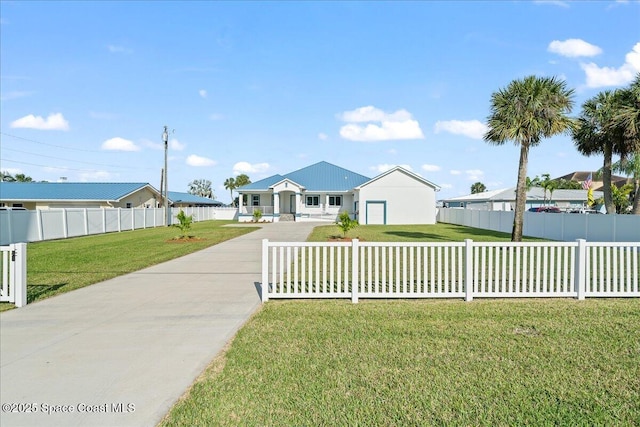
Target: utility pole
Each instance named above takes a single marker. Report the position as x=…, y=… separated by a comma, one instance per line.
x=165, y=138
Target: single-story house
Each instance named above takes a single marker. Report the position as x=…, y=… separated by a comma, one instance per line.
x=186, y=200
x=596, y=182
x=51, y=195
x=322, y=191
x=505, y=199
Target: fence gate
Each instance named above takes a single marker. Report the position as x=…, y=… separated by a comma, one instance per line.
x=14, y=274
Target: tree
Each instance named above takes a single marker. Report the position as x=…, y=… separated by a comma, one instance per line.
x=242, y=180
x=202, y=188
x=525, y=112
x=230, y=184
x=595, y=134
x=478, y=187
x=631, y=167
x=19, y=177
x=345, y=223
x=549, y=185
x=621, y=197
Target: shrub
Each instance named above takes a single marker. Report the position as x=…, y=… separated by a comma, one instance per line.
x=345, y=223
x=257, y=215
x=184, y=222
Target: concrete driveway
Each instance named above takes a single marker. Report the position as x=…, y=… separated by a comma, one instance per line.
x=121, y=352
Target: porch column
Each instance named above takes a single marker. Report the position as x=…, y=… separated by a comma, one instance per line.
x=297, y=208
x=276, y=204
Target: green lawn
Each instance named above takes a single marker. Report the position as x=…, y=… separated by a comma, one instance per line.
x=410, y=233
x=425, y=362
x=385, y=363
x=55, y=267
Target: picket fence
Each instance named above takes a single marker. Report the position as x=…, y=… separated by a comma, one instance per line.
x=14, y=274
x=466, y=269
x=48, y=224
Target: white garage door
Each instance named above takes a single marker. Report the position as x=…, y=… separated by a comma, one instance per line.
x=376, y=212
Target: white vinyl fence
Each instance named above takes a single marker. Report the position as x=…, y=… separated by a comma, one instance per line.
x=449, y=270
x=48, y=224
x=14, y=274
x=552, y=226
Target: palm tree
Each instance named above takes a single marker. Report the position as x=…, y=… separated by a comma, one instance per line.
x=478, y=187
x=596, y=134
x=230, y=184
x=524, y=112
x=631, y=167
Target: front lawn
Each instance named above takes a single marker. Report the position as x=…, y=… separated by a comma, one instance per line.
x=58, y=266
x=490, y=362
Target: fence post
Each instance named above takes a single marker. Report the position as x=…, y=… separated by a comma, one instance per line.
x=264, y=286
x=65, y=225
x=581, y=269
x=354, y=270
x=468, y=270
x=19, y=274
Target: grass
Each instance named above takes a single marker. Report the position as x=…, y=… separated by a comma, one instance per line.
x=486, y=363
x=60, y=266
x=439, y=232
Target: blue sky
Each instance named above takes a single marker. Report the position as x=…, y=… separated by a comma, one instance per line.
x=269, y=87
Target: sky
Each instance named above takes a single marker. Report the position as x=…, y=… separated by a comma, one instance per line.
x=265, y=88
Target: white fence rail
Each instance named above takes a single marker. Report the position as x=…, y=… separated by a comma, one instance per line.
x=49, y=224
x=449, y=270
x=552, y=226
x=14, y=274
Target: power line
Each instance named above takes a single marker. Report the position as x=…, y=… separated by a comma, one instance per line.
x=49, y=166
x=77, y=161
x=50, y=145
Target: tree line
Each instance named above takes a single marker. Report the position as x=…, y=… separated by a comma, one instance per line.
x=531, y=109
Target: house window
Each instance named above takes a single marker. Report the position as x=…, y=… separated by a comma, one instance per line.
x=18, y=205
x=313, y=200
x=128, y=205
x=255, y=200
x=335, y=200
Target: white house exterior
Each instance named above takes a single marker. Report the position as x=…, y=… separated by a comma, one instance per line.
x=322, y=191
x=396, y=197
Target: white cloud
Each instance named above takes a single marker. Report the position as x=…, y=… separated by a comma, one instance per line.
x=55, y=121
x=430, y=168
x=608, y=76
x=14, y=95
x=119, y=49
x=12, y=171
x=199, y=161
x=95, y=176
x=174, y=144
x=119, y=144
x=246, y=168
x=470, y=128
x=385, y=167
x=446, y=186
x=573, y=48
x=323, y=136
x=559, y=3
x=399, y=125
x=474, y=174
x=202, y=93
x=153, y=145
x=455, y=172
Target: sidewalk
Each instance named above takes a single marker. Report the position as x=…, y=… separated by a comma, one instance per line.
x=121, y=352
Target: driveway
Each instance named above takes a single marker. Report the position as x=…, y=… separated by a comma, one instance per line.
x=121, y=352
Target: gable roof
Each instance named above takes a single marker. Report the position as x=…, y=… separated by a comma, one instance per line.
x=404, y=171
x=78, y=191
x=178, y=197
x=321, y=176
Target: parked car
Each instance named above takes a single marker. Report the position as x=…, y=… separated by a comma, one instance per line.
x=548, y=209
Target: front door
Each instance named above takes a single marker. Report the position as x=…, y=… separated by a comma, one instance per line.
x=292, y=203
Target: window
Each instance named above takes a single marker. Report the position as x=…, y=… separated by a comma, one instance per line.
x=255, y=200
x=313, y=201
x=18, y=205
x=128, y=205
x=335, y=200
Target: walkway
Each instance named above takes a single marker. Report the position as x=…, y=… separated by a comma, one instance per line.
x=121, y=352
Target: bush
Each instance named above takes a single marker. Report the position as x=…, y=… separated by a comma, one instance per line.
x=257, y=215
x=345, y=223
x=184, y=222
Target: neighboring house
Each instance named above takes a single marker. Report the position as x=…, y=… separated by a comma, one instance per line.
x=185, y=200
x=50, y=195
x=322, y=191
x=505, y=199
x=596, y=182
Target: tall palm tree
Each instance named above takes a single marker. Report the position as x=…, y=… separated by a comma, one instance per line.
x=230, y=184
x=595, y=134
x=478, y=187
x=525, y=112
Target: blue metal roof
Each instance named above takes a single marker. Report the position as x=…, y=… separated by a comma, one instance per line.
x=178, y=197
x=112, y=191
x=321, y=176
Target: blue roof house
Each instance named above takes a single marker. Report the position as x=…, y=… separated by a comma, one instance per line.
x=320, y=192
